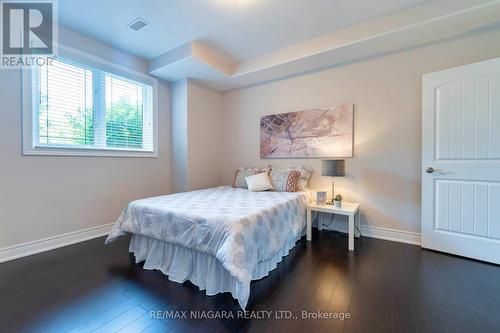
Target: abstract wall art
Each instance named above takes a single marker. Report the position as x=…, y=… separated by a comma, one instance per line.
x=314, y=133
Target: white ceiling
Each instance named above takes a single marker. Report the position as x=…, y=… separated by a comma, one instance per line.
x=429, y=22
x=242, y=29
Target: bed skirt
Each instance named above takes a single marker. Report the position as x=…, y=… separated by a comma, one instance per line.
x=204, y=270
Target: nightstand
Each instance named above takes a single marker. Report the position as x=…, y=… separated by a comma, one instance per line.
x=349, y=209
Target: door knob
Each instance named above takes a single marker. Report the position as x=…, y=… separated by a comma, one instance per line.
x=429, y=170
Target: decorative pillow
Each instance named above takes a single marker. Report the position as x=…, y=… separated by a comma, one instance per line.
x=305, y=175
x=240, y=174
x=259, y=182
x=285, y=180
x=302, y=184
x=305, y=172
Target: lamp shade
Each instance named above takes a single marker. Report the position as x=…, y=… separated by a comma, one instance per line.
x=333, y=168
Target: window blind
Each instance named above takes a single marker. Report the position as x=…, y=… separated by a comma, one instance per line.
x=84, y=107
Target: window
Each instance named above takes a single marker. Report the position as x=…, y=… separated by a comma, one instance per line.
x=78, y=109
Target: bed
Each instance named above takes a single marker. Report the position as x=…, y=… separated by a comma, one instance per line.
x=219, y=238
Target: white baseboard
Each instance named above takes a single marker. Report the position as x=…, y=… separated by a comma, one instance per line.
x=394, y=235
x=50, y=243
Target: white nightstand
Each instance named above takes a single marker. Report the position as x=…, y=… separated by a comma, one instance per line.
x=350, y=209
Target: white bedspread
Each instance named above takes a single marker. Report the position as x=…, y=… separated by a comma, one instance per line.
x=239, y=227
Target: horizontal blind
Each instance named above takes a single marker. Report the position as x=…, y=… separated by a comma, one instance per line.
x=127, y=107
x=65, y=113
x=83, y=107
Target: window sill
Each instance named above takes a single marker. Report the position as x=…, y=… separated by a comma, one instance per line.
x=88, y=152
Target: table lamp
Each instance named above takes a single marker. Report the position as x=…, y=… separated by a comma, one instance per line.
x=333, y=168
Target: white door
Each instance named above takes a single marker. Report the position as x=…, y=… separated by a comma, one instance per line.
x=461, y=161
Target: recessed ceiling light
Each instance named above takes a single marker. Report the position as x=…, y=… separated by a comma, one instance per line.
x=137, y=24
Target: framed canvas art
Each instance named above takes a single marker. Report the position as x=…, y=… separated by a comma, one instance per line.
x=314, y=133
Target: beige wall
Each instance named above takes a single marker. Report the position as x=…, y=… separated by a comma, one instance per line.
x=205, y=140
x=384, y=175
x=42, y=196
x=179, y=135
x=196, y=136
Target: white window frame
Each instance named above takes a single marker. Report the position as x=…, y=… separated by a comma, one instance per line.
x=30, y=104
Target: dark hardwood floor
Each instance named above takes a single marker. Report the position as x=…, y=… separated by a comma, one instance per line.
x=384, y=286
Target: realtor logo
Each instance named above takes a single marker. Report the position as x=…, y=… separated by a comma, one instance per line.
x=29, y=29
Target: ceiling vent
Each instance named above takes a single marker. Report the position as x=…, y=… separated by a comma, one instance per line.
x=137, y=24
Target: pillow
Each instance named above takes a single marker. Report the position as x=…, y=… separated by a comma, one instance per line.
x=305, y=172
x=302, y=184
x=305, y=175
x=285, y=180
x=240, y=174
x=259, y=182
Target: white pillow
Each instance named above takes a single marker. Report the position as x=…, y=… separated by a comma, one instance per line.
x=259, y=182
